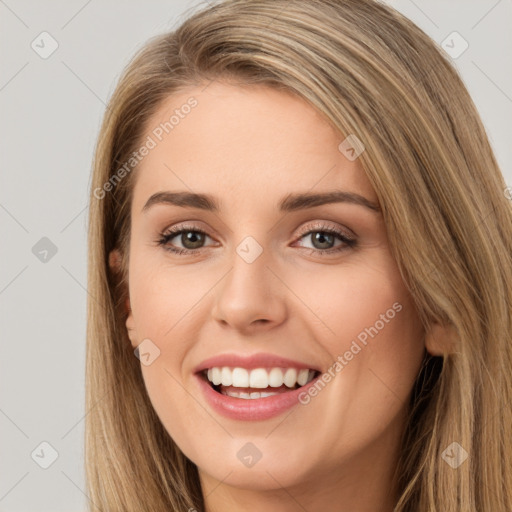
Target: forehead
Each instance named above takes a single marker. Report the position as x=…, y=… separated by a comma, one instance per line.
x=241, y=141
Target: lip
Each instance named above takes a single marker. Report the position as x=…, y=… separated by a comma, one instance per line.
x=257, y=409
x=251, y=362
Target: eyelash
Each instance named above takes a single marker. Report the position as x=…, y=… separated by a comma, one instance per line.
x=165, y=237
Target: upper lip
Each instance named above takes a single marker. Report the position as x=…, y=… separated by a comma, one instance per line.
x=253, y=361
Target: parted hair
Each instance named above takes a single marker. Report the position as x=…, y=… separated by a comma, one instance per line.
x=374, y=74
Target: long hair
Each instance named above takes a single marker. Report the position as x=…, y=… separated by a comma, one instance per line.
x=371, y=73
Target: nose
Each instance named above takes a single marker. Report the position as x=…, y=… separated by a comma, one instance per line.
x=251, y=297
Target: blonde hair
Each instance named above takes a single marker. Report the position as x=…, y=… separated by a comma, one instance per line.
x=372, y=73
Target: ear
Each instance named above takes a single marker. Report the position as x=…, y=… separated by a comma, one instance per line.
x=114, y=260
x=130, y=326
x=115, y=263
x=440, y=339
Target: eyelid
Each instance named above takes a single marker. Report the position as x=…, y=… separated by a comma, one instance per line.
x=349, y=240
x=192, y=225
x=177, y=229
x=321, y=225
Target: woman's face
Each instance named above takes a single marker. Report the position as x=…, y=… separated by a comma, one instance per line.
x=277, y=283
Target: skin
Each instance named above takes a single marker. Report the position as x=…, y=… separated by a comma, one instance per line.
x=250, y=147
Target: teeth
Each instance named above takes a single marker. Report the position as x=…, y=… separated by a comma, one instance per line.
x=275, y=378
x=239, y=378
x=248, y=396
x=216, y=376
x=259, y=378
x=290, y=377
x=302, y=377
x=226, y=377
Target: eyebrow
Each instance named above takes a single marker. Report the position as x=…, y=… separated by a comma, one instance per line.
x=290, y=203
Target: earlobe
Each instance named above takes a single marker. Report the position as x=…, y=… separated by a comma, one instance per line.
x=130, y=326
x=440, y=340
x=114, y=260
x=115, y=263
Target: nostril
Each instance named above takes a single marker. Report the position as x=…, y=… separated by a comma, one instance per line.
x=264, y=320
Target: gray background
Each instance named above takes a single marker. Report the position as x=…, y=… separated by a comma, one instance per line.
x=51, y=111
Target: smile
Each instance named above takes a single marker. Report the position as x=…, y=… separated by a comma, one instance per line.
x=254, y=387
x=249, y=384
x=246, y=398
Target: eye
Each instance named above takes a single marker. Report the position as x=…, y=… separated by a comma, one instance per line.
x=192, y=239
x=189, y=236
x=323, y=238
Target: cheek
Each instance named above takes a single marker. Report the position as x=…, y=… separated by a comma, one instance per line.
x=364, y=300
x=183, y=419
x=372, y=333
x=163, y=297
x=166, y=304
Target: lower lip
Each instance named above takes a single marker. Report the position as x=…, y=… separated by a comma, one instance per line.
x=251, y=409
